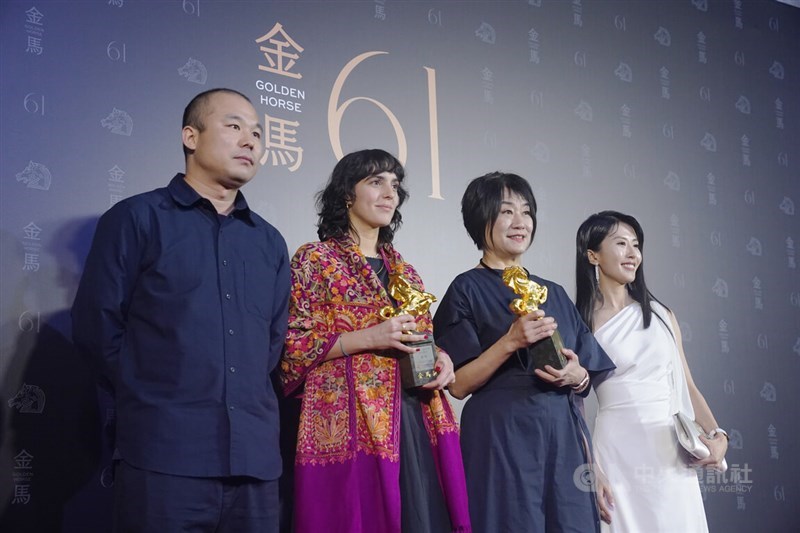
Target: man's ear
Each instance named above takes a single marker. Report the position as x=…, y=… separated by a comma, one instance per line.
x=189, y=135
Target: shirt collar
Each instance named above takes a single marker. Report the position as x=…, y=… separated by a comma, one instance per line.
x=183, y=194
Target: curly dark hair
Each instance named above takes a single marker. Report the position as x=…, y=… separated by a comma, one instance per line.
x=334, y=221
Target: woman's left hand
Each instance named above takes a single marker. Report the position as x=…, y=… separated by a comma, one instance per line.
x=444, y=366
x=571, y=375
x=718, y=446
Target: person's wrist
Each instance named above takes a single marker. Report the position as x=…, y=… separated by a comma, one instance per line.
x=509, y=346
x=582, y=375
x=341, y=346
x=718, y=431
x=581, y=386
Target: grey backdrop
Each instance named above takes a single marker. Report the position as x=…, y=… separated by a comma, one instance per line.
x=683, y=113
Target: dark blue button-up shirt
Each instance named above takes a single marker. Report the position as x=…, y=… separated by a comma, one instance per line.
x=186, y=311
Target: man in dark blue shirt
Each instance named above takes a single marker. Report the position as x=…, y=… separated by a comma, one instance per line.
x=183, y=303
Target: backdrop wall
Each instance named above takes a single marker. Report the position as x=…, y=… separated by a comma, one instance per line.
x=683, y=113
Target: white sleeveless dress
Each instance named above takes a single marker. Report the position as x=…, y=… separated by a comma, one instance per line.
x=654, y=488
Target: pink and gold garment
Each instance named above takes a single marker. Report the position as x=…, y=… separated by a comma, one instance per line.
x=347, y=465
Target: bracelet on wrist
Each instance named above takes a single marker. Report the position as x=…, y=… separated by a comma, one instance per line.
x=718, y=431
x=580, y=387
x=341, y=346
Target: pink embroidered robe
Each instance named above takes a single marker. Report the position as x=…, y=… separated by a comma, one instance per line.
x=347, y=464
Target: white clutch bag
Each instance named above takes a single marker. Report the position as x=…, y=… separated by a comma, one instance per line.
x=689, y=432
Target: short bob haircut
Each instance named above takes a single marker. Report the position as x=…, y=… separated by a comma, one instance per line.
x=332, y=201
x=590, y=237
x=480, y=205
x=195, y=112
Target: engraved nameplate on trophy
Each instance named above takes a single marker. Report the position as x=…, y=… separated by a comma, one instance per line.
x=417, y=368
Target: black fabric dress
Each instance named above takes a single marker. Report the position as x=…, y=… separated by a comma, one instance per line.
x=422, y=505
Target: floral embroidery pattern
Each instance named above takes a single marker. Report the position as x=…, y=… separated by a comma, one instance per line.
x=350, y=404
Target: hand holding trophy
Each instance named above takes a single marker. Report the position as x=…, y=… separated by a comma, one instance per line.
x=531, y=296
x=418, y=368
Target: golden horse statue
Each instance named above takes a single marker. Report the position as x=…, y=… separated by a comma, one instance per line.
x=409, y=300
x=531, y=294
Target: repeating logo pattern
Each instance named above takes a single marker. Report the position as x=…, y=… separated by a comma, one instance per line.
x=689, y=122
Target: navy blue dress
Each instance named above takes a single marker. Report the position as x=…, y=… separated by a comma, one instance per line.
x=523, y=441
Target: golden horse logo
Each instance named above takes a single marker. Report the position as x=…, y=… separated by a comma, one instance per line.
x=409, y=300
x=531, y=294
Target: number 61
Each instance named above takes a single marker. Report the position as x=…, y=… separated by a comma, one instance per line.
x=335, y=119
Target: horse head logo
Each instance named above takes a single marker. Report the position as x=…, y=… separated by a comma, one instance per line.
x=29, y=399
x=36, y=176
x=194, y=71
x=119, y=122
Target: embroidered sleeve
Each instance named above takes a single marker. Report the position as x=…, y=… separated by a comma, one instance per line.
x=310, y=335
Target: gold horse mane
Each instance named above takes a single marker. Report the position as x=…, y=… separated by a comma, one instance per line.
x=531, y=294
x=409, y=300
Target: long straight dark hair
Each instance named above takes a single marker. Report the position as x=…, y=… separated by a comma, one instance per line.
x=590, y=237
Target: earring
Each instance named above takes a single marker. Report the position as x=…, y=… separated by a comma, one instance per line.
x=597, y=274
x=348, y=204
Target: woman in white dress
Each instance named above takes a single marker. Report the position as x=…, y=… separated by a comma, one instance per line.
x=654, y=485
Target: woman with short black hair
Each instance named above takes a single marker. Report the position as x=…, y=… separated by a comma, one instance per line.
x=525, y=444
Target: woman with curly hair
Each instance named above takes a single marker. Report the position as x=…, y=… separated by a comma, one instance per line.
x=371, y=455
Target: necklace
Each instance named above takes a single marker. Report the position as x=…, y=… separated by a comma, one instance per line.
x=372, y=262
x=487, y=267
x=495, y=270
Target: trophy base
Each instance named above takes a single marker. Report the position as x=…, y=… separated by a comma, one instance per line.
x=547, y=352
x=418, y=368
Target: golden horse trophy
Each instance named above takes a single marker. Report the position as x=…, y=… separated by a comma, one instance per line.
x=416, y=368
x=531, y=295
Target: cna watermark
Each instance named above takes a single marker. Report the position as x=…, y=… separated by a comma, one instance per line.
x=736, y=479
x=585, y=478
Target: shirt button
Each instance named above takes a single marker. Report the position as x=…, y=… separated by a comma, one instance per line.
x=231, y=407
x=233, y=370
x=224, y=262
x=230, y=332
x=227, y=296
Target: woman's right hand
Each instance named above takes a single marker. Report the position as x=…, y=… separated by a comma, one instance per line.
x=392, y=333
x=604, y=495
x=530, y=328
